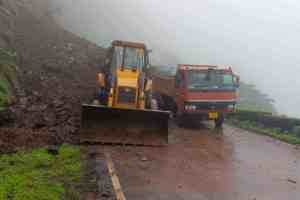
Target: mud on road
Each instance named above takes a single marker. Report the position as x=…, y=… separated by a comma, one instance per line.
x=203, y=163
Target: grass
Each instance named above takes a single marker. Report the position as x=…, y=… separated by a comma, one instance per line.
x=40, y=175
x=4, y=93
x=288, y=137
x=7, y=77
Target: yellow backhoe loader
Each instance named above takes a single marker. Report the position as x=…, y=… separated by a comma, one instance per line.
x=125, y=111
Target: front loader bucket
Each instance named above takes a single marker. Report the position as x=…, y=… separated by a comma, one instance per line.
x=105, y=125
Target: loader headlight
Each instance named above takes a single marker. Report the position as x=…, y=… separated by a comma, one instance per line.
x=127, y=89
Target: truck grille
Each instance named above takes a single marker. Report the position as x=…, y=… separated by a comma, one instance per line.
x=127, y=95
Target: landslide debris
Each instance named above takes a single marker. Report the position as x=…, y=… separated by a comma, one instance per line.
x=56, y=72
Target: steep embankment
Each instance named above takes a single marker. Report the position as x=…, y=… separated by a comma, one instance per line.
x=55, y=70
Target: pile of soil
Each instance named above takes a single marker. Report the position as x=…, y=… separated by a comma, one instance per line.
x=13, y=139
x=56, y=72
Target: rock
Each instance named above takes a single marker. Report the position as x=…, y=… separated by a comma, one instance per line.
x=23, y=101
x=144, y=166
x=291, y=180
x=35, y=93
x=53, y=150
x=105, y=194
x=138, y=154
x=144, y=159
x=33, y=108
x=58, y=103
x=43, y=107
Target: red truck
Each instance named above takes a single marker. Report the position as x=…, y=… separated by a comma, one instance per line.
x=197, y=92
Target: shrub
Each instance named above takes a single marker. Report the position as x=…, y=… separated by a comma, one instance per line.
x=296, y=131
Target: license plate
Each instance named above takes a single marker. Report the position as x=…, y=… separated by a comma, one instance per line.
x=213, y=115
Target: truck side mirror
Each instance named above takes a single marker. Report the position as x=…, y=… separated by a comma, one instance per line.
x=236, y=81
x=177, y=80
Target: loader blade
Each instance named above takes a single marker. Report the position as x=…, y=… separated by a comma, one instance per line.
x=105, y=125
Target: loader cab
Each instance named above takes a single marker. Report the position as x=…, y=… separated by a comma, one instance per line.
x=129, y=56
x=127, y=65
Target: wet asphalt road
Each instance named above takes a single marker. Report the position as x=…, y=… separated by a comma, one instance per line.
x=203, y=163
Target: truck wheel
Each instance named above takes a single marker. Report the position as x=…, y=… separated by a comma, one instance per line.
x=219, y=121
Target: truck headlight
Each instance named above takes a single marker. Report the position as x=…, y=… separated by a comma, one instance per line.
x=190, y=107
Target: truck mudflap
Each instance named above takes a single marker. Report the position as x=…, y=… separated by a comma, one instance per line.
x=105, y=125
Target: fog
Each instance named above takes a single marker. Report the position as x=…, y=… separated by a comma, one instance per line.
x=258, y=38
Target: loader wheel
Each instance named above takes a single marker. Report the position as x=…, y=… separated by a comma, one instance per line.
x=154, y=104
x=219, y=121
x=151, y=102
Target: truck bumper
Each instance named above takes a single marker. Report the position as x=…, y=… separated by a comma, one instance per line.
x=208, y=115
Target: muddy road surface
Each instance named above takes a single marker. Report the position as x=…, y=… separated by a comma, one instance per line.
x=203, y=163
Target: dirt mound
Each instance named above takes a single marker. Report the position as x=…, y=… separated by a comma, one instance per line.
x=56, y=73
x=12, y=140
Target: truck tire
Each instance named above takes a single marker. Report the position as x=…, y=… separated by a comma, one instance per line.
x=165, y=103
x=219, y=121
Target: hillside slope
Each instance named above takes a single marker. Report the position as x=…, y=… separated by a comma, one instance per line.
x=56, y=69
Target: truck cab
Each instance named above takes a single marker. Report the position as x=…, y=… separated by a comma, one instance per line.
x=205, y=92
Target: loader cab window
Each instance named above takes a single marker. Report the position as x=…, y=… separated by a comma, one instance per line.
x=134, y=58
x=117, y=57
x=128, y=58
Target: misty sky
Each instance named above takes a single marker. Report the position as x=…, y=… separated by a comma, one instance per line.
x=259, y=38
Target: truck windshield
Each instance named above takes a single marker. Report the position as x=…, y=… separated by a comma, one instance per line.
x=209, y=80
x=130, y=58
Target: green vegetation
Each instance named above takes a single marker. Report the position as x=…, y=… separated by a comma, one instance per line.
x=252, y=99
x=7, y=77
x=292, y=137
x=40, y=175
